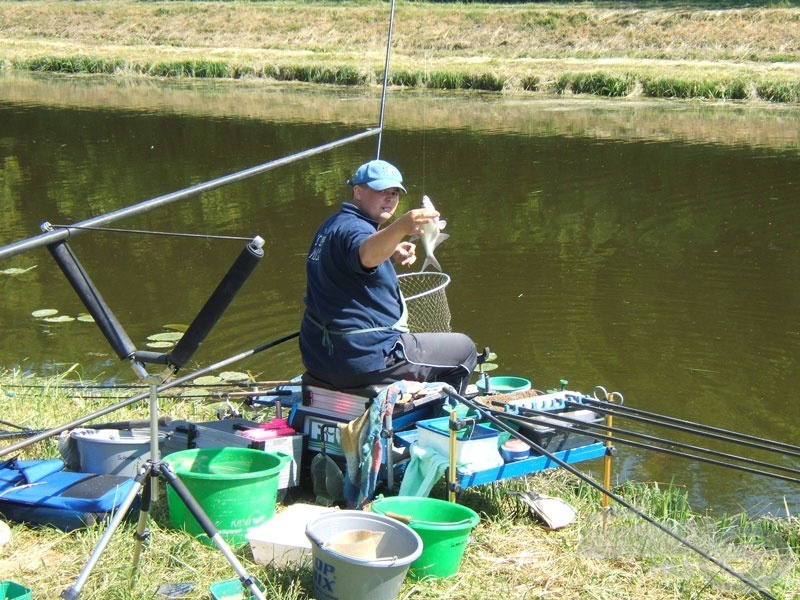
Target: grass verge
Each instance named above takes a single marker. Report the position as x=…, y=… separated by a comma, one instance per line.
x=638, y=48
x=510, y=555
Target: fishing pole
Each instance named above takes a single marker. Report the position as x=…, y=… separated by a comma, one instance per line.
x=122, y=425
x=385, y=79
x=207, y=236
x=146, y=395
x=691, y=427
x=615, y=438
x=134, y=386
x=56, y=235
x=553, y=417
x=482, y=411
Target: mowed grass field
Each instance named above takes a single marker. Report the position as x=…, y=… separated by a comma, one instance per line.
x=721, y=50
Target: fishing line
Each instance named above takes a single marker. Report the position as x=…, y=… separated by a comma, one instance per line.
x=151, y=232
x=487, y=412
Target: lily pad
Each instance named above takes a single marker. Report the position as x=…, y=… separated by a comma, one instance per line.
x=234, y=376
x=194, y=392
x=166, y=336
x=160, y=345
x=85, y=318
x=207, y=380
x=44, y=312
x=59, y=319
x=16, y=270
x=177, y=327
x=485, y=367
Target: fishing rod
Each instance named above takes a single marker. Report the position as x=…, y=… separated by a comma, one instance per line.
x=520, y=419
x=552, y=417
x=385, y=79
x=54, y=235
x=691, y=427
x=564, y=422
x=146, y=395
x=121, y=425
x=485, y=412
x=135, y=386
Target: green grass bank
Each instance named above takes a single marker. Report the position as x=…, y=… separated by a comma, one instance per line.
x=722, y=51
x=510, y=555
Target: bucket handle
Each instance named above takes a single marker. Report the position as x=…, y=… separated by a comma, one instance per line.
x=408, y=519
x=283, y=457
x=388, y=561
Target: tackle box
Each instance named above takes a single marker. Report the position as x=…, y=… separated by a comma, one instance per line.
x=555, y=434
x=476, y=444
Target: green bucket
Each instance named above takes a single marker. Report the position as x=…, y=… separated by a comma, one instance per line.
x=444, y=528
x=236, y=487
x=504, y=384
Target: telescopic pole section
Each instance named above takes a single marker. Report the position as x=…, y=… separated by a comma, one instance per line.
x=211, y=531
x=385, y=79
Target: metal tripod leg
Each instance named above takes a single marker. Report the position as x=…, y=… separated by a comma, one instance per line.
x=122, y=511
x=147, y=479
x=202, y=518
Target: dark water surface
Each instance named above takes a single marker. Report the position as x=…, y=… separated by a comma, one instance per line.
x=651, y=248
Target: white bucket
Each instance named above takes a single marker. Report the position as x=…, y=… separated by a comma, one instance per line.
x=113, y=451
x=374, y=574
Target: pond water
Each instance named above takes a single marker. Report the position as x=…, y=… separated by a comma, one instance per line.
x=648, y=247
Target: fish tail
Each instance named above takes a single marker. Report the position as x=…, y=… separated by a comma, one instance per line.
x=431, y=260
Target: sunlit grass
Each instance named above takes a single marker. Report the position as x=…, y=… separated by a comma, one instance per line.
x=605, y=555
x=663, y=50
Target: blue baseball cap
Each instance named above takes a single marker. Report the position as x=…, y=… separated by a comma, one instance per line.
x=379, y=175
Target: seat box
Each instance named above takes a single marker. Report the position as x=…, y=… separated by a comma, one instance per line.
x=310, y=420
x=183, y=435
x=555, y=434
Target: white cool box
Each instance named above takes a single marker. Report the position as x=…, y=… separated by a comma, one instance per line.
x=282, y=539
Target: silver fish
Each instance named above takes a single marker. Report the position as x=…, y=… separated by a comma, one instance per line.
x=432, y=236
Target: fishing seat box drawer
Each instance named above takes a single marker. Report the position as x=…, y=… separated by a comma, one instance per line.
x=183, y=435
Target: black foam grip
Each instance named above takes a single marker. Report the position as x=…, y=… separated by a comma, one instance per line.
x=215, y=305
x=92, y=299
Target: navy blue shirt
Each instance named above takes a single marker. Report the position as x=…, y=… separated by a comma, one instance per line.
x=344, y=296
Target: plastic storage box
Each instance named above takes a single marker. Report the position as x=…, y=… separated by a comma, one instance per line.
x=184, y=435
x=282, y=539
x=555, y=434
x=476, y=444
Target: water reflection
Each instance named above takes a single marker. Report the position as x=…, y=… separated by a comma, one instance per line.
x=648, y=247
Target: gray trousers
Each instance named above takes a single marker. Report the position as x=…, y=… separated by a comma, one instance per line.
x=424, y=357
